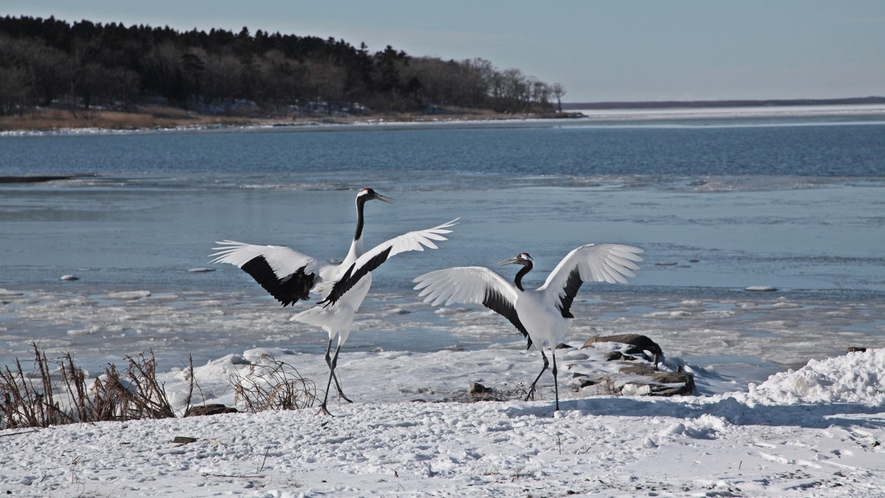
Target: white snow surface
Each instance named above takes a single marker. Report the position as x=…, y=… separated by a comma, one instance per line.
x=816, y=431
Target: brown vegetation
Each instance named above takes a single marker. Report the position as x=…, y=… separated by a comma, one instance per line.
x=53, y=397
x=147, y=118
x=273, y=385
x=157, y=117
x=62, y=395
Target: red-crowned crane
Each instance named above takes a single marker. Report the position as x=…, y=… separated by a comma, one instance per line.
x=542, y=315
x=291, y=276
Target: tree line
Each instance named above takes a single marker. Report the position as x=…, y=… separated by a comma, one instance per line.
x=47, y=62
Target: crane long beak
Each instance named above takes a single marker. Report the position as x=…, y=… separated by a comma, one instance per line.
x=383, y=198
x=511, y=261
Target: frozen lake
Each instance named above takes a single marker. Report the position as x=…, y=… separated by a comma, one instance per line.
x=719, y=205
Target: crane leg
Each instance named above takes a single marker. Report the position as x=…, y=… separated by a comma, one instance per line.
x=332, y=367
x=323, y=409
x=555, y=379
x=332, y=361
x=531, y=394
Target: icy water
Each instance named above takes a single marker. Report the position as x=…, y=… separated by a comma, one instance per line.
x=719, y=205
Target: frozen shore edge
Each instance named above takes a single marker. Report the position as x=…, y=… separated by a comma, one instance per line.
x=875, y=112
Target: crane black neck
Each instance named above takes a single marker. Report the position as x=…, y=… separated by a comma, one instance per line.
x=360, y=202
x=527, y=267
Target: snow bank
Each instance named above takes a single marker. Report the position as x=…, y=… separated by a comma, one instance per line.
x=813, y=432
x=854, y=378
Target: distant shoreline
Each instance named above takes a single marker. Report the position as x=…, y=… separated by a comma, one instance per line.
x=695, y=104
x=156, y=118
x=151, y=119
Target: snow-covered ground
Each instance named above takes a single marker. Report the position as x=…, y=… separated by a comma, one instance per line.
x=817, y=431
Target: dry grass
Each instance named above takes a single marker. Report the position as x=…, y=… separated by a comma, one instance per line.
x=147, y=118
x=52, y=397
x=273, y=385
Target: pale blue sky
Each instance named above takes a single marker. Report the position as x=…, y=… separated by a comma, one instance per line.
x=622, y=50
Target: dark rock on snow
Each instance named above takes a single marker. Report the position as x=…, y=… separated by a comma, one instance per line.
x=212, y=409
x=640, y=343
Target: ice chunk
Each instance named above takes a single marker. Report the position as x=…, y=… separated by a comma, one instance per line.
x=129, y=295
x=761, y=288
x=200, y=270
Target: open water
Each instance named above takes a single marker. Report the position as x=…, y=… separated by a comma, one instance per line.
x=792, y=203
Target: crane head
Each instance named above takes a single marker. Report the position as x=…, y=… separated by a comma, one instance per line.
x=522, y=258
x=368, y=194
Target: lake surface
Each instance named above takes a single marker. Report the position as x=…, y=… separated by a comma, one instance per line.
x=795, y=203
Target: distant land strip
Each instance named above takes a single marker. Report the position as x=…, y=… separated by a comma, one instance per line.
x=675, y=104
x=31, y=179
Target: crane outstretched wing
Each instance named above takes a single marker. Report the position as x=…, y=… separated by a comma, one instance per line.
x=589, y=263
x=285, y=273
x=472, y=285
x=372, y=259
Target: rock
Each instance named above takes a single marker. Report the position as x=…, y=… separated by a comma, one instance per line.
x=661, y=385
x=184, y=440
x=212, y=409
x=479, y=392
x=636, y=350
x=855, y=349
x=643, y=343
x=642, y=377
x=613, y=356
x=687, y=381
x=639, y=370
x=670, y=377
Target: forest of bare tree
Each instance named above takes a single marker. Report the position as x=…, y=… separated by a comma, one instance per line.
x=85, y=65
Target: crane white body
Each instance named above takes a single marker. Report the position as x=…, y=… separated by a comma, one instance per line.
x=289, y=276
x=541, y=319
x=543, y=315
x=337, y=319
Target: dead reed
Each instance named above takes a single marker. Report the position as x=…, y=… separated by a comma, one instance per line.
x=271, y=384
x=62, y=396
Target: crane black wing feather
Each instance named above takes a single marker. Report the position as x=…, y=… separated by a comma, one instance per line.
x=570, y=290
x=588, y=263
x=350, y=277
x=496, y=302
x=473, y=285
x=287, y=290
x=286, y=274
x=412, y=241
